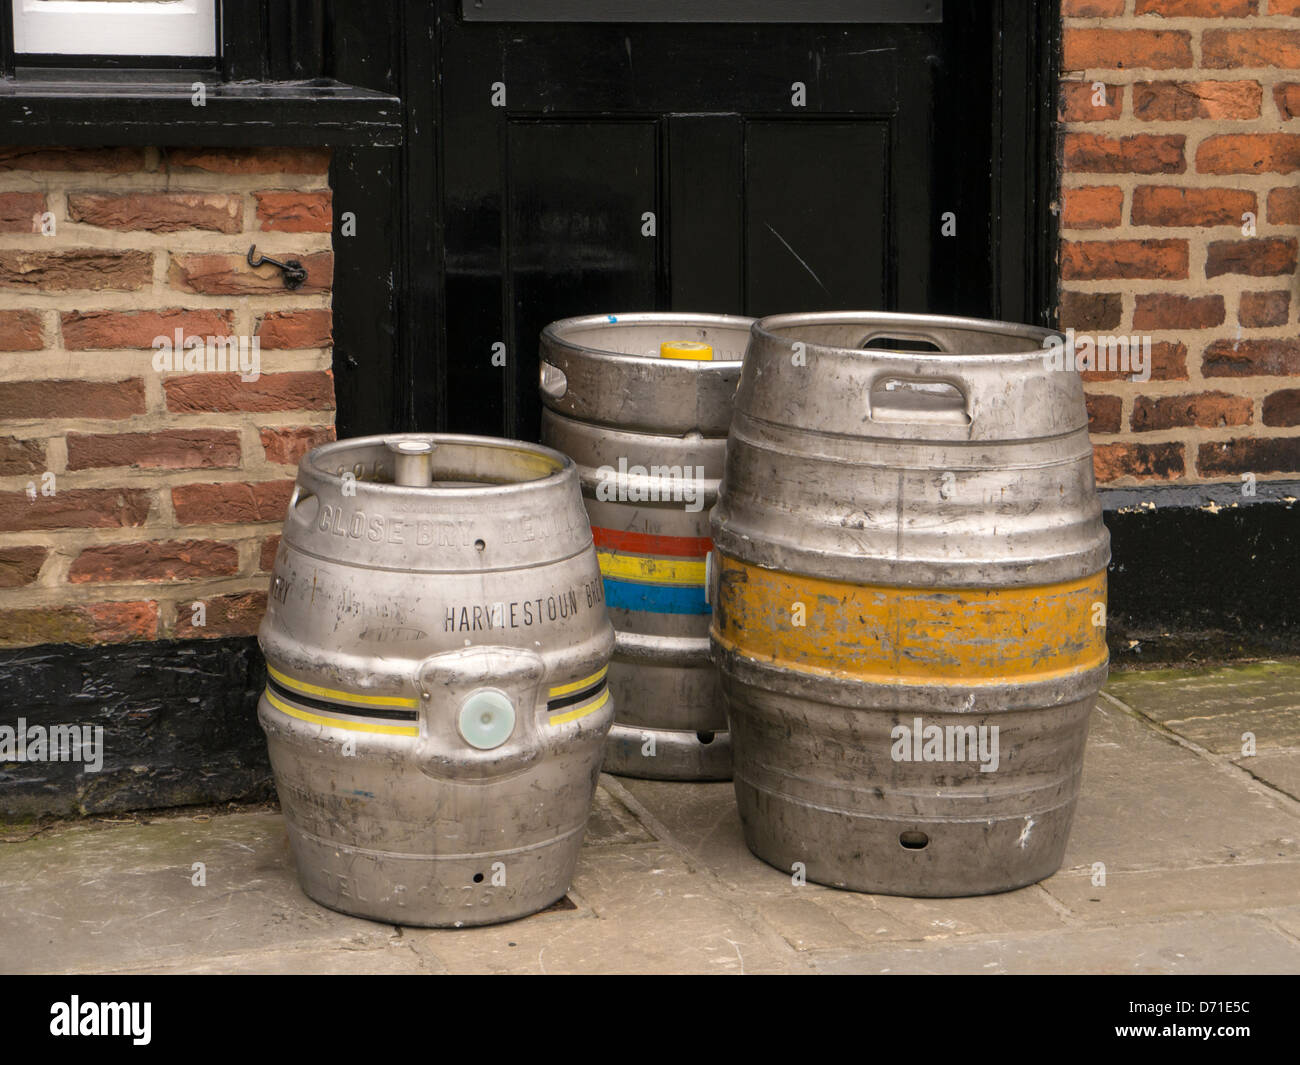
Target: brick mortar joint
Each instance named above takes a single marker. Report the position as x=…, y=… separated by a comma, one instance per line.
x=1153, y=21
x=173, y=591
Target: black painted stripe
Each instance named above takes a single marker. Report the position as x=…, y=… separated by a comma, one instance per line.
x=385, y=713
x=577, y=697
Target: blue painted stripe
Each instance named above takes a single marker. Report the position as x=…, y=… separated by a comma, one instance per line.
x=655, y=598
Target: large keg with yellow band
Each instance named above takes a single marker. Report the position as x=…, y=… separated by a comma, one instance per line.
x=437, y=644
x=642, y=403
x=908, y=586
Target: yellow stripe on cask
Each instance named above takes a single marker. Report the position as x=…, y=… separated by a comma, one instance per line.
x=639, y=568
x=909, y=595
x=895, y=635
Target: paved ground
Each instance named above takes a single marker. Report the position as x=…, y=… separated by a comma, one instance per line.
x=1201, y=847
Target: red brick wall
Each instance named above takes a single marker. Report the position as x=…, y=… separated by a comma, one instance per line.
x=127, y=495
x=1199, y=124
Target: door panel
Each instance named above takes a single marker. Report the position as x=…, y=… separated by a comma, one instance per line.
x=966, y=92
x=788, y=168
x=706, y=213
x=816, y=220
x=577, y=193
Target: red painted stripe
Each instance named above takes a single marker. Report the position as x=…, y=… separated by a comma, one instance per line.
x=651, y=544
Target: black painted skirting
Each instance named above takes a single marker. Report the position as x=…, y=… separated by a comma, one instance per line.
x=1207, y=582
x=1187, y=583
x=179, y=719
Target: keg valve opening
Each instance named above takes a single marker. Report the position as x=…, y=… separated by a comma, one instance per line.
x=487, y=719
x=412, y=462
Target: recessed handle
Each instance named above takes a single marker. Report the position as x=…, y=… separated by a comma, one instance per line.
x=553, y=381
x=922, y=400
x=903, y=340
x=303, y=504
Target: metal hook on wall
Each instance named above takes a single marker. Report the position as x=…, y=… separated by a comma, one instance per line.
x=294, y=272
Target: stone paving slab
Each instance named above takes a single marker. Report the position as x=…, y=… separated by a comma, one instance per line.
x=1029, y=908
x=1149, y=803
x=815, y=923
x=394, y=958
x=1278, y=769
x=1233, y=944
x=1197, y=890
x=806, y=925
x=1201, y=855
x=1214, y=707
x=703, y=819
x=646, y=912
x=611, y=822
x=1287, y=919
x=115, y=896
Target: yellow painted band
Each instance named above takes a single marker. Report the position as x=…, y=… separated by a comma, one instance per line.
x=578, y=685
x=338, y=722
x=580, y=711
x=341, y=696
x=675, y=571
x=894, y=635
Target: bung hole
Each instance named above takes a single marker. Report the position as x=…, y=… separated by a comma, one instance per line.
x=914, y=841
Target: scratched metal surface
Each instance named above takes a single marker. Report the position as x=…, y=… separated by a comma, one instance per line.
x=394, y=607
x=649, y=436
x=909, y=554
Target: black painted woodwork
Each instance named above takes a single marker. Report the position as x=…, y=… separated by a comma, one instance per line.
x=785, y=204
x=179, y=720
x=684, y=11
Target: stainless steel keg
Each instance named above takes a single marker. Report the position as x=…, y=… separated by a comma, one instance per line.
x=649, y=433
x=909, y=596
x=437, y=644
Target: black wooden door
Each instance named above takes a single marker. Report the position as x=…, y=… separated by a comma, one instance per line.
x=896, y=154
x=598, y=168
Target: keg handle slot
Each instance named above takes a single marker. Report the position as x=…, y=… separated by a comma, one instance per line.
x=553, y=381
x=903, y=398
x=903, y=340
x=299, y=500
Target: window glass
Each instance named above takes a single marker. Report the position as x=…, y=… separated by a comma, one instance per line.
x=115, y=27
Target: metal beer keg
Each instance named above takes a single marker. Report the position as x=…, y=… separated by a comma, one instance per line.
x=437, y=645
x=909, y=587
x=648, y=431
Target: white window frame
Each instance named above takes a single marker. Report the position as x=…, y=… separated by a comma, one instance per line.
x=116, y=27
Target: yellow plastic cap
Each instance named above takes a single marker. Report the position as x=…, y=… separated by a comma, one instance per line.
x=685, y=349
